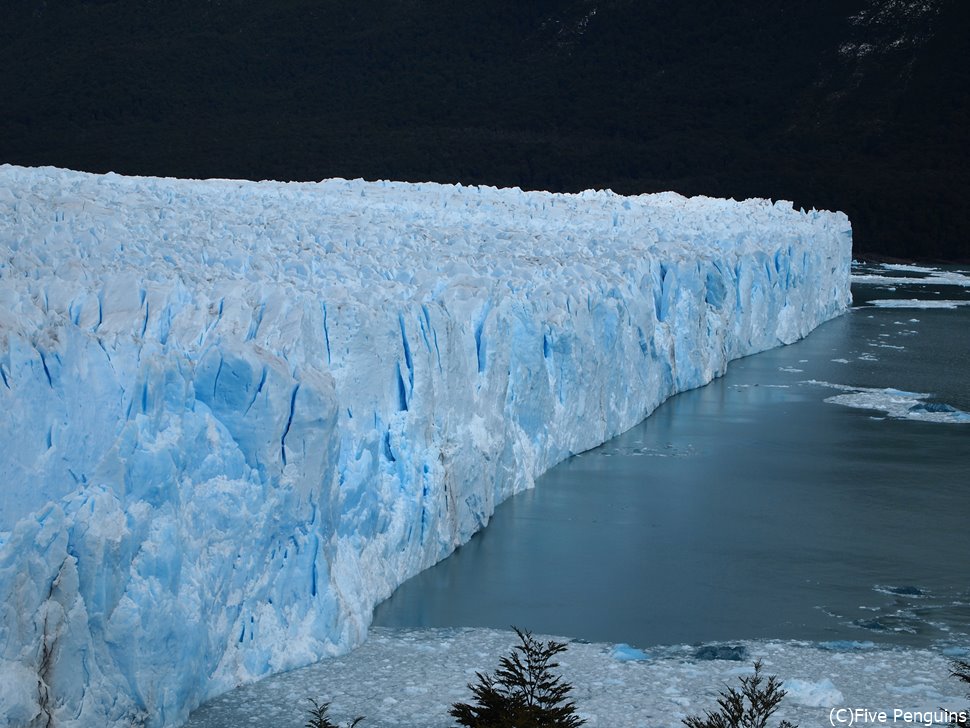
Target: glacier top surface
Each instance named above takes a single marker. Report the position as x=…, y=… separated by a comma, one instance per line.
x=371, y=240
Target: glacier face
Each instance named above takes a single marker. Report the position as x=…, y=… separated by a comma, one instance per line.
x=234, y=415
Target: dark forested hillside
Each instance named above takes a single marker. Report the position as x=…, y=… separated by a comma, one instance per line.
x=859, y=105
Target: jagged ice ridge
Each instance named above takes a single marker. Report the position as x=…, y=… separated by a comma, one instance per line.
x=234, y=416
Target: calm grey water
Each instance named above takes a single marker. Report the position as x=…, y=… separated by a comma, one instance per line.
x=749, y=508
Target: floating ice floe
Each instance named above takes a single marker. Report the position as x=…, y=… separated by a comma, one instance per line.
x=930, y=276
x=917, y=303
x=937, y=279
x=908, y=267
x=667, y=451
x=913, y=592
x=895, y=403
x=761, y=386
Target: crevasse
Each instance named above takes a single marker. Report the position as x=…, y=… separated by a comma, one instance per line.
x=234, y=415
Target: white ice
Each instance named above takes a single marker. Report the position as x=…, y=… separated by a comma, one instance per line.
x=235, y=415
x=895, y=403
x=918, y=303
x=931, y=276
x=909, y=268
x=937, y=279
x=611, y=690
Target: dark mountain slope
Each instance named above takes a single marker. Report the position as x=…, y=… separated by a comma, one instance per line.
x=858, y=105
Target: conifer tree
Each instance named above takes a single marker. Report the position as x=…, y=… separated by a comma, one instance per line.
x=523, y=693
x=961, y=671
x=751, y=707
x=318, y=716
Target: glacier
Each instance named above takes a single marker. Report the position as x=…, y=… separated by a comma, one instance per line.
x=235, y=415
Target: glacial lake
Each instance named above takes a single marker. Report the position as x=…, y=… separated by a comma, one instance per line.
x=753, y=508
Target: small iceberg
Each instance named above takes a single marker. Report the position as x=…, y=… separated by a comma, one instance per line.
x=625, y=653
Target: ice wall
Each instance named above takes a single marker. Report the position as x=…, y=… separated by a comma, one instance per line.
x=234, y=415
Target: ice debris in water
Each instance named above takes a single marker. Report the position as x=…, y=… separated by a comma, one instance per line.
x=918, y=303
x=659, y=691
x=895, y=403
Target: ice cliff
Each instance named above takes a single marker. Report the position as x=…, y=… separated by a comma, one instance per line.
x=234, y=415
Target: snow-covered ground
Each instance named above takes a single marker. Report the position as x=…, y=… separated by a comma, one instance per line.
x=236, y=415
x=409, y=679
